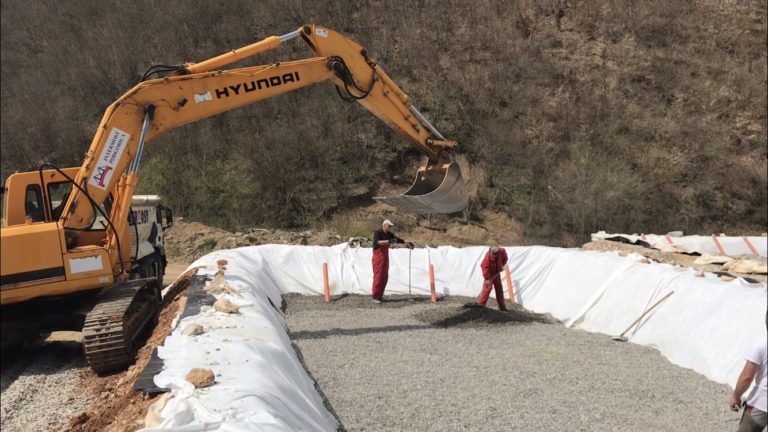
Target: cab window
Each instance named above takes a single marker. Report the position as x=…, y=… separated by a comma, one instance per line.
x=58, y=193
x=100, y=223
x=33, y=203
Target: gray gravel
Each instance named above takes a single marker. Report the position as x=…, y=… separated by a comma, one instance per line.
x=382, y=369
x=41, y=388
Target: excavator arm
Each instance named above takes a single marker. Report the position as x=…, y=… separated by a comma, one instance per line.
x=195, y=91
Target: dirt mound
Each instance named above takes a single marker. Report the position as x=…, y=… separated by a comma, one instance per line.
x=473, y=315
x=187, y=241
x=672, y=258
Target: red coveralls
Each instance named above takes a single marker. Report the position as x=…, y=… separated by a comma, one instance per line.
x=491, y=273
x=380, y=270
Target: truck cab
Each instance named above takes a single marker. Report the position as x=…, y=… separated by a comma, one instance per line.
x=149, y=219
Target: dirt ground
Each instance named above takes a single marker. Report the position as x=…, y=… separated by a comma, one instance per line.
x=187, y=241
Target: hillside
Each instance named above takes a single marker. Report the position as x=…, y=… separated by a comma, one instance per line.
x=574, y=116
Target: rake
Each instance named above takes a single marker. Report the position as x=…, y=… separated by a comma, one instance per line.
x=621, y=338
x=410, y=251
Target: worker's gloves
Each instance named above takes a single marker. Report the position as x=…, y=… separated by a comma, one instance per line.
x=395, y=243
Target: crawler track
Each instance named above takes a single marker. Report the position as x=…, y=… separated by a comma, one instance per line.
x=120, y=317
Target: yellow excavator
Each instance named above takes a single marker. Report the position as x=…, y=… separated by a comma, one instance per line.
x=54, y=259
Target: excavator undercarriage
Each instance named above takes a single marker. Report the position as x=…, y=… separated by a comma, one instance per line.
x=121, y=318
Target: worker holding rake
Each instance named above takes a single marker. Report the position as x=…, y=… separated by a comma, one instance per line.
x=382, y=240
x=492, y=265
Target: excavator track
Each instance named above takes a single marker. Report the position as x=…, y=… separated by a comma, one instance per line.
x=118, y=320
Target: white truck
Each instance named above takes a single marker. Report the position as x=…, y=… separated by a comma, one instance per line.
x=149, y=219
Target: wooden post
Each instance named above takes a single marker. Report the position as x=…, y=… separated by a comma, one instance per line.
x=510, y=285
x=432, y=283
x=719, y=246
x=326, y=286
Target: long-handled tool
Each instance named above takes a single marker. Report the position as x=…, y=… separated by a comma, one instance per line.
x=621, y=338
x=410, y=251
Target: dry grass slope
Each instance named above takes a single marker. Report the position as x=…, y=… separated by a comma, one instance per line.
x=623, y=116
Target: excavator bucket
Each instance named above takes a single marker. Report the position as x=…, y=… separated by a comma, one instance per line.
x=436, y=190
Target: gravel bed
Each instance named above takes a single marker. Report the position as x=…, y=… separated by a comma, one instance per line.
x=41, y=388
x=391, y=367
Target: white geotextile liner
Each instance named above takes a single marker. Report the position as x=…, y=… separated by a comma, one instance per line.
x=260, y=384
x=732, y=246
x=705, y=325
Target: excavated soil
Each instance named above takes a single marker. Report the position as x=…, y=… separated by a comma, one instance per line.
x=117, y=407
x=187, y=241
x=672, y=258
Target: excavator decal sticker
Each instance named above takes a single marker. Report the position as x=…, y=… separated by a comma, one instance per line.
x=102, y=175
x=250, y=86
x=109, y=158
x=85, y=264
x=203, y=97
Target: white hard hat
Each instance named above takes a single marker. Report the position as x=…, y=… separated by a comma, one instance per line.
x=387, y=222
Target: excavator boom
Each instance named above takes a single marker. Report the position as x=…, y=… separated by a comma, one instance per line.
x=80, y=242
x=199, y=90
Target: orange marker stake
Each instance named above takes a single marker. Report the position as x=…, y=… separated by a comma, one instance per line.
x=719, y=246
x=326, y=286
x=510, y=285
x=432, y=283
x=750, y=246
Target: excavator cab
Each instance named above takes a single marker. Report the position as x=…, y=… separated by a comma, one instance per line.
x=438, y=188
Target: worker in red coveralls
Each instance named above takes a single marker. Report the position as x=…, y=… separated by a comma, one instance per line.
x=492, y=265
x=382, y=240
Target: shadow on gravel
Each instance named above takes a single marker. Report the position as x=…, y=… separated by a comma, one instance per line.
x=322, y=334
x=326, y=402
x=353, y=301
x=472, y=315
